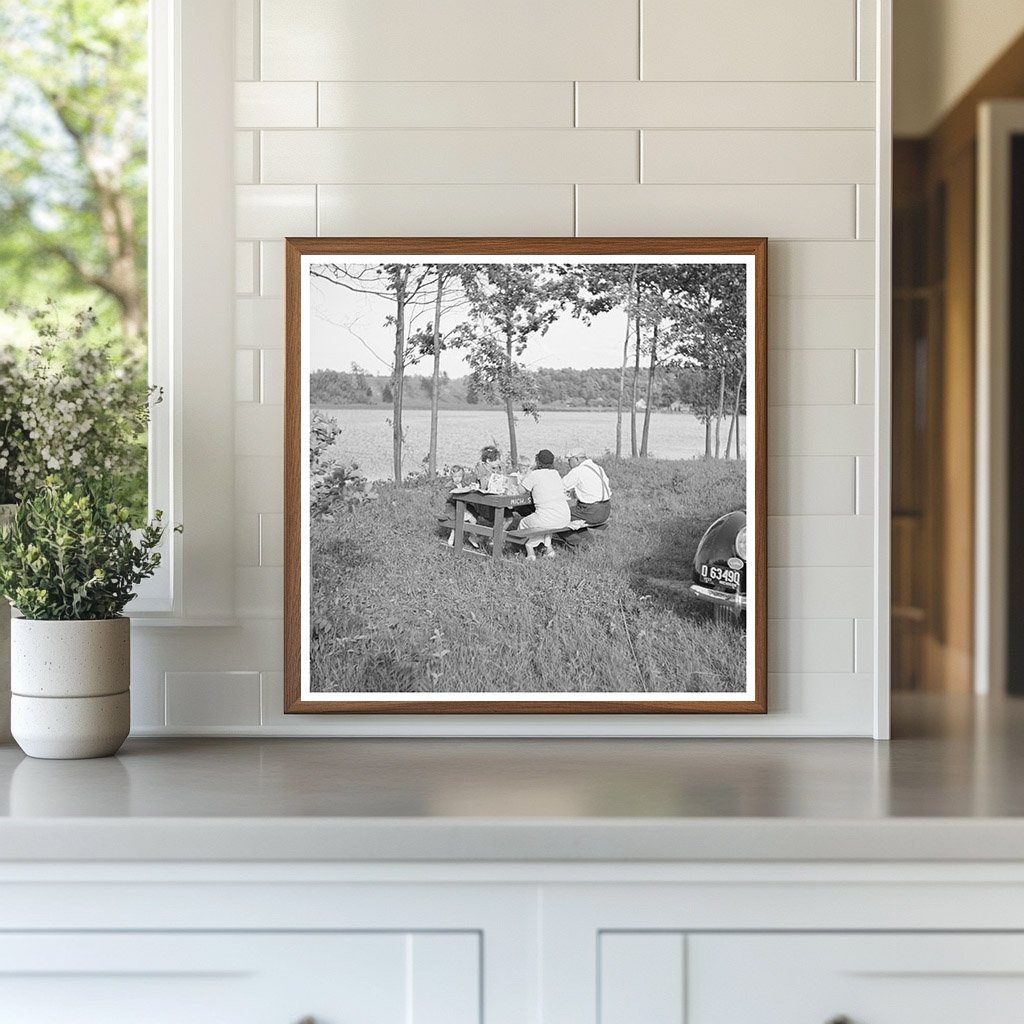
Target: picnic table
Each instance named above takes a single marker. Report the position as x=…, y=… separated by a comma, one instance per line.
x=497, y=533
x=499, y=502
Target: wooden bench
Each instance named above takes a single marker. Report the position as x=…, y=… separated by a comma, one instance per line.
x=520, y=537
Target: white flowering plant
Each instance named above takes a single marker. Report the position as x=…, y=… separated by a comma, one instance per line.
x=75, y=407
x=71, y=554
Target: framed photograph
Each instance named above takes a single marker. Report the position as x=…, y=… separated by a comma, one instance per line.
x=525, y=475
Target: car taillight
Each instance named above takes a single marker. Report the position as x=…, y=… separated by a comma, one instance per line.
x=741, y=543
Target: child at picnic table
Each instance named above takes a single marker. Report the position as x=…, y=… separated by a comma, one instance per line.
x=488, y=466
x=461, y=477
x=551, y=509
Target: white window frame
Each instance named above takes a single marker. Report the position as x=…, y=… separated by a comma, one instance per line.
x=191, y=280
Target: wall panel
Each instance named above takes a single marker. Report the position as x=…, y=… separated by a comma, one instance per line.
x=617, y=117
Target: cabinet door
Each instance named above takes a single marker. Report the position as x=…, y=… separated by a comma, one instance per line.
x=863, y=978
x=241, y=978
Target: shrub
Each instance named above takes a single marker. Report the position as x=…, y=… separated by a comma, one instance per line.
x=74, y=408
x=334, y=486
x=69, y=554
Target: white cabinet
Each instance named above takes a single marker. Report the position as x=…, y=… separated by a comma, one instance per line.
x=508, y=943
x=677, y=978
x=241, y=978
x=869, y=979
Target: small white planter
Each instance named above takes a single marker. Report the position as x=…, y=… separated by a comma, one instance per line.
x=69, y=683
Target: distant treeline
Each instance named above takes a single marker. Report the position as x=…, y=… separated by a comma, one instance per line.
x=674, y=387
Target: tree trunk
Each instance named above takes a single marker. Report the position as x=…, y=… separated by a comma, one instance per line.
x=736, y=409
x=513, y=450
x=636, y=382
x=650, y=393
x=432, y=455
x=398, y=375
x=728, y=437
x=707, y=415
x=720, y=413
x=622, y=371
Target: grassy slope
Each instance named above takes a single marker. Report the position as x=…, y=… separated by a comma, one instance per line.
x=394, y=610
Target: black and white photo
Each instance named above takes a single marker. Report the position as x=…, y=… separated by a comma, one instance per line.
x=525, y=475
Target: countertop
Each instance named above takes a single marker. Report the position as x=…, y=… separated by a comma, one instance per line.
x=949, y=786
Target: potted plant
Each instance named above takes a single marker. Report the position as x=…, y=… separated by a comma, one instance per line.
x=69, y=563
x=73, y=404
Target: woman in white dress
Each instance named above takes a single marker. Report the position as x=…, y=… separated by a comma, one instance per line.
x=551, y=508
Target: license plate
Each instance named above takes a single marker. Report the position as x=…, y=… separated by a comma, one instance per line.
x=719, y=574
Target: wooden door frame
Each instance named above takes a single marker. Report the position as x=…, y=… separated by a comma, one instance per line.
x=998, y=121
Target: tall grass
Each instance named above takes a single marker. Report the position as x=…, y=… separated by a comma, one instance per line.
x=393, y=609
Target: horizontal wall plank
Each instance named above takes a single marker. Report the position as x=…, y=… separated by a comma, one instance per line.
x=807, y=267
x=271, y=376
x=271, y=269
x=245, y=158
x=831, y=592
x=259, y=483
x=449, y=40
x=811, y=486
x=867, y=25
x=259, y=429
x=260, y=592
x=811, y=376
x=866, y=482
x=866, y=212
x=726, y=105
x=864, y=645
x=807, y=540
x=865, y=376
x=818, y=323
x=275, y=104
x=447, y=210
x=776, y=211
x=811, y=645
x=776, y=157
x=271, y=538
x=799, y=704
x=273, y=211
x=204, y=699
x=259, y=323
x=449, y=157
x=447, y=105
x=246, y=50
x=247, y=362
x=245, y=268
x=735, y=40
x=247, y=645
x=821, y=430
x=824, y=703
x=247, y=538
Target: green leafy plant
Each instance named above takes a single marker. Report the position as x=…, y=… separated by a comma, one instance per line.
x=71, y=554
x=334, y=486
x=73, y=407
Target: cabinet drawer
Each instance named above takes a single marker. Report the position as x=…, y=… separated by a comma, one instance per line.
x=242, y=978
x=867, y=978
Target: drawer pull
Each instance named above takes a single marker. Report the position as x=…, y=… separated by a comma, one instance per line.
x=841, y=1019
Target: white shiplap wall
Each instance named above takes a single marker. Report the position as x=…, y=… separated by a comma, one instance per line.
x=618, y=117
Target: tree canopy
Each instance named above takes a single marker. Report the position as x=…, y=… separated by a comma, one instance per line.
x=73, y=157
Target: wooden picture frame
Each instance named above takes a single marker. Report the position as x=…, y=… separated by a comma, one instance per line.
x=361, y=611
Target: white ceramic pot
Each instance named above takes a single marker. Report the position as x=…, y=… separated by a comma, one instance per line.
x=6, y=515
x=69, y=683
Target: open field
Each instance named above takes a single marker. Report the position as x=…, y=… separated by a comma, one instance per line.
x=394, y=610
x=366, y=435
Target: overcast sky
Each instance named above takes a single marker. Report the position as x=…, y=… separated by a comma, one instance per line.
x=347, y=327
